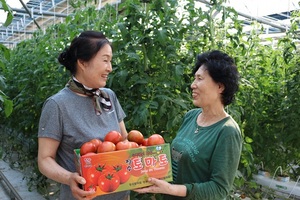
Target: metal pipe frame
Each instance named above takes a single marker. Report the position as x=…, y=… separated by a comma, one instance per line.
x=14, y=195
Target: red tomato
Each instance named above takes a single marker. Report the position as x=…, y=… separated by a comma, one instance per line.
x=134, y=145
x=96, y=142
x=89, y=154
x=125, y=144
x=109, y=182
x=106, y=146
x=113, y=136
x=122, y=172
x=87, y=147
x=94, y=172
x=155, y=139
x=135, y=136
x=145, y=142
x=92, y=177
x=103, y=168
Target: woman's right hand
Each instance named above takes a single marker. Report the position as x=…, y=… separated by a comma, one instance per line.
x=49, y=167
x=74, y=180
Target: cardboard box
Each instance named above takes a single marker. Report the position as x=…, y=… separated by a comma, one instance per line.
x=124, y=169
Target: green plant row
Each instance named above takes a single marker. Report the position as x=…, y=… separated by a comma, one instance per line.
x=154, y=46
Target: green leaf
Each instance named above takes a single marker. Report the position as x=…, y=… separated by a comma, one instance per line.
x=248, y=140
x=9, y=11
x=9, y=19
x=8, y=107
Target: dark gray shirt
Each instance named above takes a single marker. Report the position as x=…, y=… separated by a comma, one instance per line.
x=71, y=119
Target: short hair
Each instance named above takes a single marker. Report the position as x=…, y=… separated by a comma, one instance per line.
x=222, y=69
x=83, y=47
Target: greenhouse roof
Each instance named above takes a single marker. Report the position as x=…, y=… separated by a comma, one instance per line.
x=30, y=15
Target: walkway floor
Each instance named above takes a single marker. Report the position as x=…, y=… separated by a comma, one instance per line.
x=16, y=179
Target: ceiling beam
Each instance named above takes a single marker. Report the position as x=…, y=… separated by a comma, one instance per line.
x=27, y=10
x=258, y=19
x=45, y=13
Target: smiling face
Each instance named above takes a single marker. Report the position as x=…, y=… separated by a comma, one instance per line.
x=94, y=73
x=205, y=91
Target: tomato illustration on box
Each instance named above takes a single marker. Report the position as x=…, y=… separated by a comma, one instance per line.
x=124, y=169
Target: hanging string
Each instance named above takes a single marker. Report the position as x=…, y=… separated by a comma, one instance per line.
x=54, y=10
x=225, y=27
x=288, y=15
x=42, y=14
x=99, y=5
x=67, y=7
x=117, y=4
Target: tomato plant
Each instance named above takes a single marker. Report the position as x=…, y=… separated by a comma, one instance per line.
x=122, y=172
x=113, y=136
x=135, y=136
x=155, y=139
x=87, y=147
x=109, y=182
x=106, y=146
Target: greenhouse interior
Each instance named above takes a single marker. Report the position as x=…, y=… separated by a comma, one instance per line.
x=155, y=46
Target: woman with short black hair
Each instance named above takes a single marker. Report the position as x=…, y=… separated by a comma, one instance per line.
x=207, y=148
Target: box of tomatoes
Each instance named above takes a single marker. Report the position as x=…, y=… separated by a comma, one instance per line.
x=120, y=170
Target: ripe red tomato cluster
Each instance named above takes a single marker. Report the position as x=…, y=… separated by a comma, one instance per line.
x=107, y=178
x=137, y=137
x=113, y=142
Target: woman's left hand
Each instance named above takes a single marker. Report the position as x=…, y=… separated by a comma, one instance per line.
x=159, y=186
x=163, y=187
